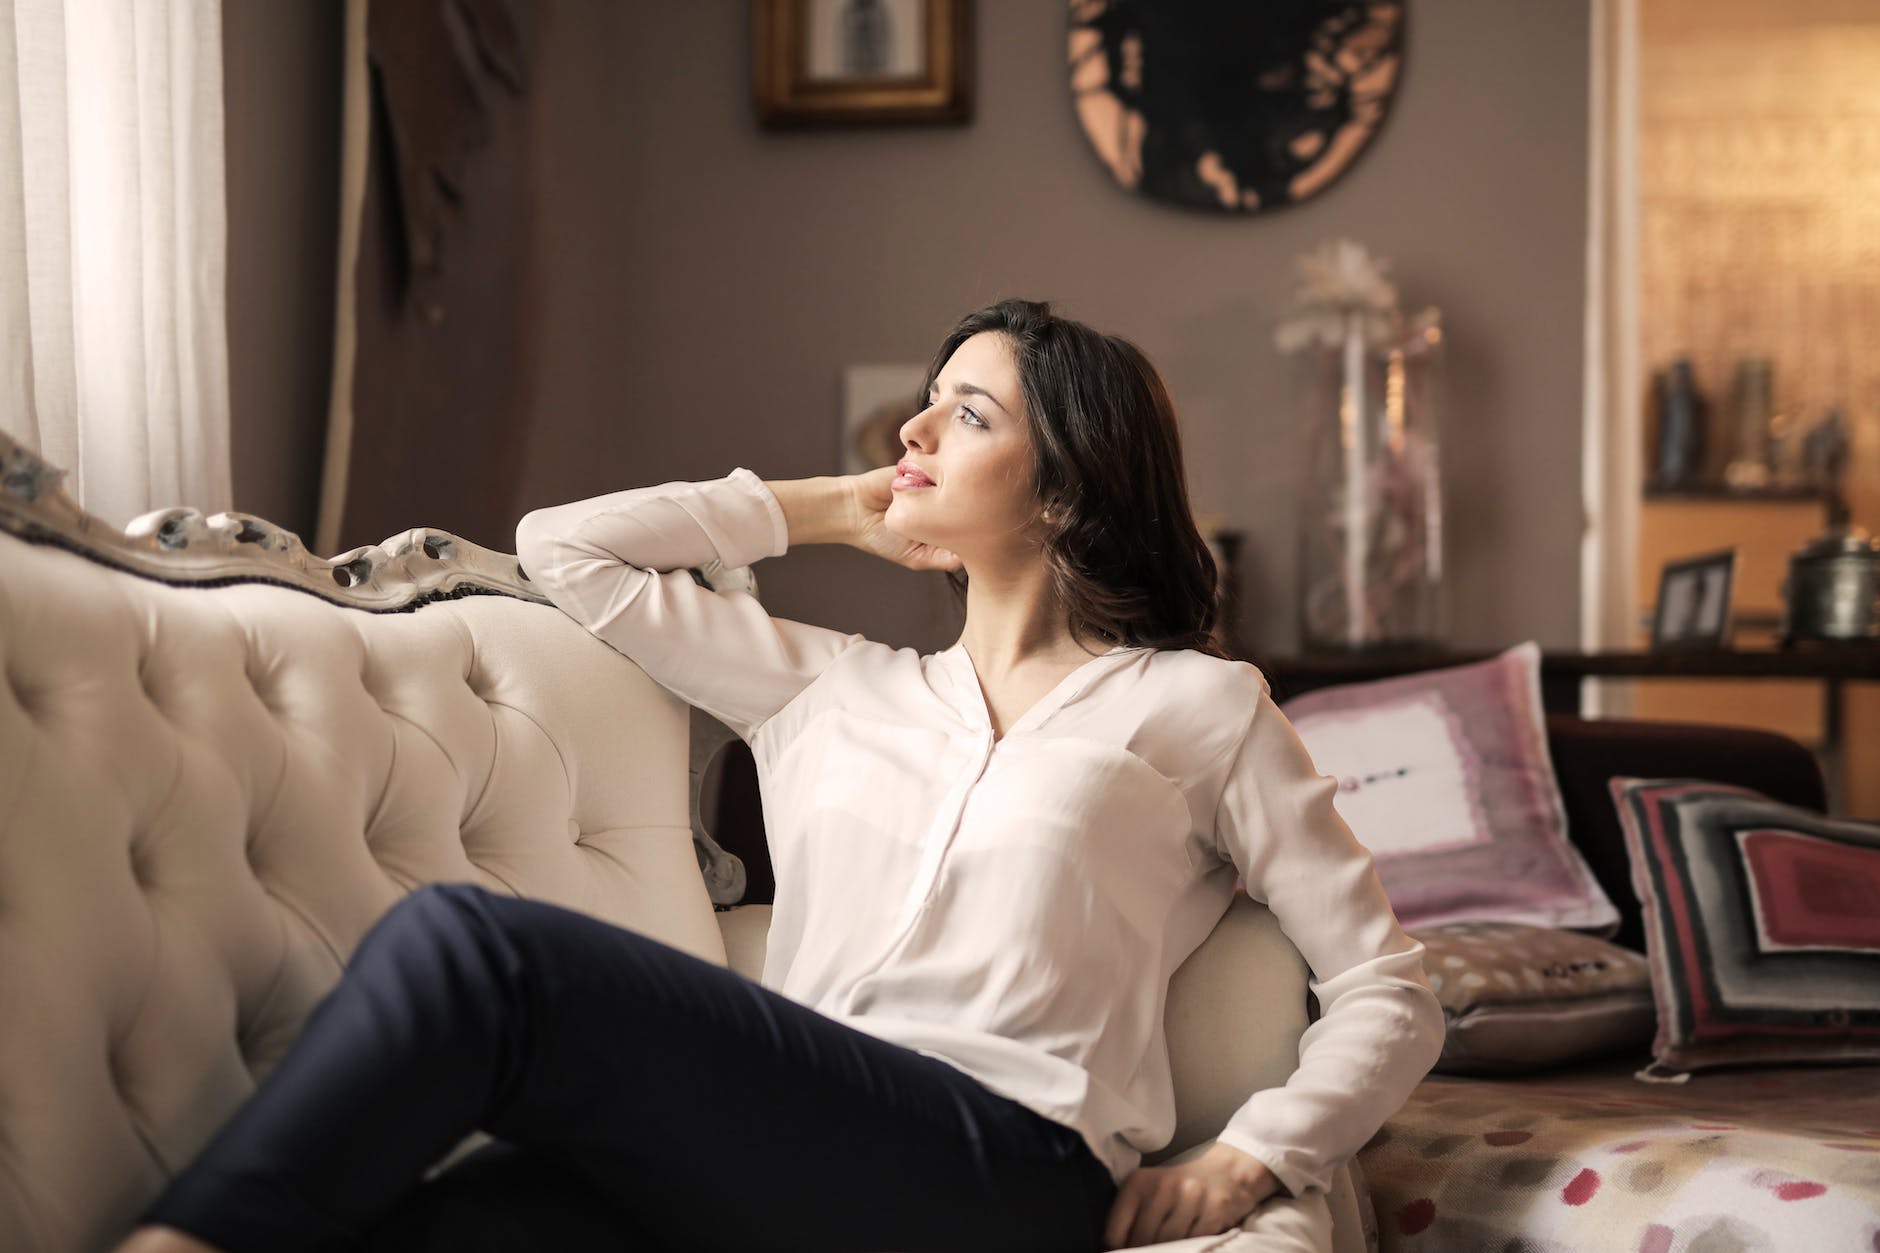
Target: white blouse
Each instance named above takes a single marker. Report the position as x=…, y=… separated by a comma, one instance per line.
x=1014, y=907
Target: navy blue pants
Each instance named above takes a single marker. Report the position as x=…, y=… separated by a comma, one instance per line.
x=639, y=1099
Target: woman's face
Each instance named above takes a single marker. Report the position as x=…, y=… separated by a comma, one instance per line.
x=972, y=441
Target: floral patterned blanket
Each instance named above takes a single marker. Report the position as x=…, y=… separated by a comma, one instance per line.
x=1596, y=1160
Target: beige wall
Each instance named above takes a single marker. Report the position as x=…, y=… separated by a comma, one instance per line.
x=707, y=282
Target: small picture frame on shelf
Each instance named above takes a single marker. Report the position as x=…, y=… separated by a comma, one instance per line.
x=1693, y=609
x=861, y=62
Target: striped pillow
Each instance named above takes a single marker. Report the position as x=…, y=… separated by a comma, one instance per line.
x=1762, y=923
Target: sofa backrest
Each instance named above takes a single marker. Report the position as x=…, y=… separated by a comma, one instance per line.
x=1588, y=753
x=208, y=792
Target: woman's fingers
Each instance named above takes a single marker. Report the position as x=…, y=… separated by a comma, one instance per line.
x=1142, y=1208
x=1185, y=1196
x=1158, y=1209
x=938, y=559
x=1172, y=1203
x=1122, y=1216
x=873, y=494
x=873, y=488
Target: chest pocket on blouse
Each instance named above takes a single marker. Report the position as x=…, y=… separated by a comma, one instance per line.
x=851, y=776
x=1085, y=814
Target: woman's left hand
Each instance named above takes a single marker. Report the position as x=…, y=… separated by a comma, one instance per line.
x=1203, y=1197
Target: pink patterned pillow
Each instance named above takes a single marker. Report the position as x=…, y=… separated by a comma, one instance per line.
x=1444, y=776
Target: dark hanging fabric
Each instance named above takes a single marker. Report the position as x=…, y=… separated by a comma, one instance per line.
x=446, y=283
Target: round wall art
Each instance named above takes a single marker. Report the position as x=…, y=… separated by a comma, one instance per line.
x=1234, y=105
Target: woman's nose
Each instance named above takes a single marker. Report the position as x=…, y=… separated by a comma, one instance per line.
x=914, y=431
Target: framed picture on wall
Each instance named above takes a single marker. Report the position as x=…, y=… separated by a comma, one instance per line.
x=1694, y=602
x=861, y=62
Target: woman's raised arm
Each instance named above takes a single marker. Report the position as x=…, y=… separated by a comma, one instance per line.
x=816, y=511
x=620, y=564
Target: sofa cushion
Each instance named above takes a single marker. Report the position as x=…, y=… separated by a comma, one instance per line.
x=1762, y=922
x=1589, y=1160
x=1445, y=777
x=1520, y=998
x=1234, y=1015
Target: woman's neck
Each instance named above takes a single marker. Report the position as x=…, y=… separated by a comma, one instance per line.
x=1014, y=621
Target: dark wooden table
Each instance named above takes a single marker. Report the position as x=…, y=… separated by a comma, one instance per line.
x=1834, y=664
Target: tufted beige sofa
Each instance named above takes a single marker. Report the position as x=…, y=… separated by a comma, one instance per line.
x=221, y=759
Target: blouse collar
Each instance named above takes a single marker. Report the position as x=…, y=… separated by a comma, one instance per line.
x=970, y=700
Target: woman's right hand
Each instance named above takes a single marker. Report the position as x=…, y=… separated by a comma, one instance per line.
x=873, y=494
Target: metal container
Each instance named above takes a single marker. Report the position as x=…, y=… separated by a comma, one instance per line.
x=1832, y=591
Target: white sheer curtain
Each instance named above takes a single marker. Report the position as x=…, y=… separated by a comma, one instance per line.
x=113, y=332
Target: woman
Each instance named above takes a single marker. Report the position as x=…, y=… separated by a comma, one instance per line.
x=989, y=861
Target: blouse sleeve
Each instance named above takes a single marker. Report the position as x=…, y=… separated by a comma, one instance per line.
x=1380, y=1027
x=620, y=564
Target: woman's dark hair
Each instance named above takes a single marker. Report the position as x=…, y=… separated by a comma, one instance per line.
x=1125, y=558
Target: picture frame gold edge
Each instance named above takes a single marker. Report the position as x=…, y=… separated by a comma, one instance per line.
x=943, y=96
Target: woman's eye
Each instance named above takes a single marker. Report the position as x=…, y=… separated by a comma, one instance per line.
x=966, y=413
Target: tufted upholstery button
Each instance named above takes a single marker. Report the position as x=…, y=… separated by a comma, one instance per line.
x=140, y=872
x=114, y=1067
x=153, y=691
x=480, y=685
x=260, y=682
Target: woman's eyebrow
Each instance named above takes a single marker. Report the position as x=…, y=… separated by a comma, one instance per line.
x=968, y=389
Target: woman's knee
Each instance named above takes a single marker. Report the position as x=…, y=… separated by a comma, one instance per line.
x=450, y=899
x=433, y=916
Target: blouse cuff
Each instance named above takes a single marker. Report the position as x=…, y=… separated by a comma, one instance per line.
x=766, y=513
x=1294, y=1181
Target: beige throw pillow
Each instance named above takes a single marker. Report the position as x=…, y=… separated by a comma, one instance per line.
x=1520, y=998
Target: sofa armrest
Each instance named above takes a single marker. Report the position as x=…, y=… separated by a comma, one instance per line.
x=746, y=929
x=1589, y=752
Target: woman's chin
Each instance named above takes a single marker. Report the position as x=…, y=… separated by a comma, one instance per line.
x=901, y=523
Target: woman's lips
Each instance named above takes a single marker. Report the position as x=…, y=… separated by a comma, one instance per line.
x=909, y=476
